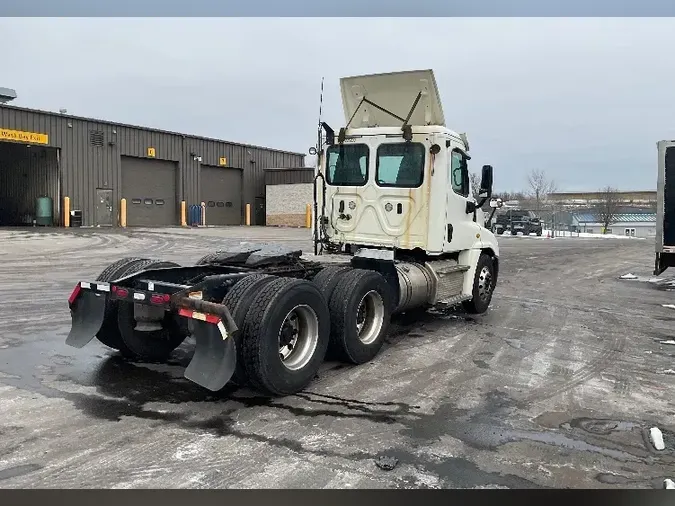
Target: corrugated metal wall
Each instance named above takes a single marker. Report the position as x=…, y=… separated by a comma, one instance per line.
x=25, y=175
x=91, y=152
x=289, y=176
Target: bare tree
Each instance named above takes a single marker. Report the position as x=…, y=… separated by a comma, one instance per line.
x=540, y=186
x=474, y=183
x=608, y=207
x=506, y=196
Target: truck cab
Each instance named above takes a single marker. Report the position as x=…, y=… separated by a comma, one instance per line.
x=397, y=177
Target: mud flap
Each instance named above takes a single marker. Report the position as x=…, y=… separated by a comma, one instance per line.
x=214, y=359
x=87, y=313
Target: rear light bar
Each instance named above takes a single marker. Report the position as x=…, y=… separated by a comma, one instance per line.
x=209, y=318
x=120, y=292
x=86, y=285
x=160, y=298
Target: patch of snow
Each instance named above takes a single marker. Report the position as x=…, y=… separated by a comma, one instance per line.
x=587, y=235
x=656, y=438
x=668, y=371
x=670, y=341
x=628, y=276
x=669, y=306
x=668, y=483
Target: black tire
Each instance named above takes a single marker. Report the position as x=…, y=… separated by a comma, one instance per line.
x=345, y=303
x=109, y=334
x=154, y=346
x=539, y=233
x=263, y=325
x=481, y=297
x=238, y=300
x=206, y=259
x=327, y=278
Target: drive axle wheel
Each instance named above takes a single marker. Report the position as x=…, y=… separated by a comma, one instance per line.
x=238, y=300
x=298, y=337
x=285, y=336
x=360, y=310
x=328, y=277
x=109, y=334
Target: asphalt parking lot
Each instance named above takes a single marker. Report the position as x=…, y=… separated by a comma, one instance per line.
x=555, y=386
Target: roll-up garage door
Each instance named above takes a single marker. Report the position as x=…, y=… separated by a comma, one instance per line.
x=150, y=189
x=221, y=189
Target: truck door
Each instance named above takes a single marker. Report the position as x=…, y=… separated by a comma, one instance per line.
x=665, y=208
x=461, y=232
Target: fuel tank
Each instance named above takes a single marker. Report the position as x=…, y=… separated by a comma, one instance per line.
x=426, y=284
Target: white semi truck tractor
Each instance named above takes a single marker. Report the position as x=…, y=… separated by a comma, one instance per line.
x=395, y=229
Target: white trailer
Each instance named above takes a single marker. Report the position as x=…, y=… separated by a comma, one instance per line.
x=665, y=207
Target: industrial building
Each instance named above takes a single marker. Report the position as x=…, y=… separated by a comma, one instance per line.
x=46, y=157
x=629, y=224
x=629, y=198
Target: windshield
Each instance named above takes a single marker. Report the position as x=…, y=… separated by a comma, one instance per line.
x=400, y=164
x=347, y=165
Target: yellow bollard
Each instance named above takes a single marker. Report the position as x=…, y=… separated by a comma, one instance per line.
x=203, y=214
x=308, y=216
x=183, y=218
x=248, y=215
x=66, y=211
x=123, y=213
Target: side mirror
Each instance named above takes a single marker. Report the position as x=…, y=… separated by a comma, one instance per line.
x=485, y=191
x=486, y=180
x=496, y=203
x=330, y=133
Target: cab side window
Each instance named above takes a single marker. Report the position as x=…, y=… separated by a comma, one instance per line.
x=459, y=173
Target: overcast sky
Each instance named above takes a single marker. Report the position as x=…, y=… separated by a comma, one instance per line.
x=584, y=99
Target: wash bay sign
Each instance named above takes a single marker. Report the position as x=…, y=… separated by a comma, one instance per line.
x=27, y=137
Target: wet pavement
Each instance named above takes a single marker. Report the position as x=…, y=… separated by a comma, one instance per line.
x=556, y=386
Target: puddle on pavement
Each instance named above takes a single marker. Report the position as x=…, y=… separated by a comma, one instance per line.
x=16, y=471
x=600, y=427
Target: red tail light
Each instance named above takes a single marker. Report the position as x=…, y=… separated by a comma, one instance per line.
x=74, y=294
x=121, y=292
x=162, y=298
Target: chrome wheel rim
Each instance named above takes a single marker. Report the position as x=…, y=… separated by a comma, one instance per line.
x=298, y=337
x=485, y=283
x=370, y=317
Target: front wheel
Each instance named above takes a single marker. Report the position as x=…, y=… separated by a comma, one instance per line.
x=483, y=285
